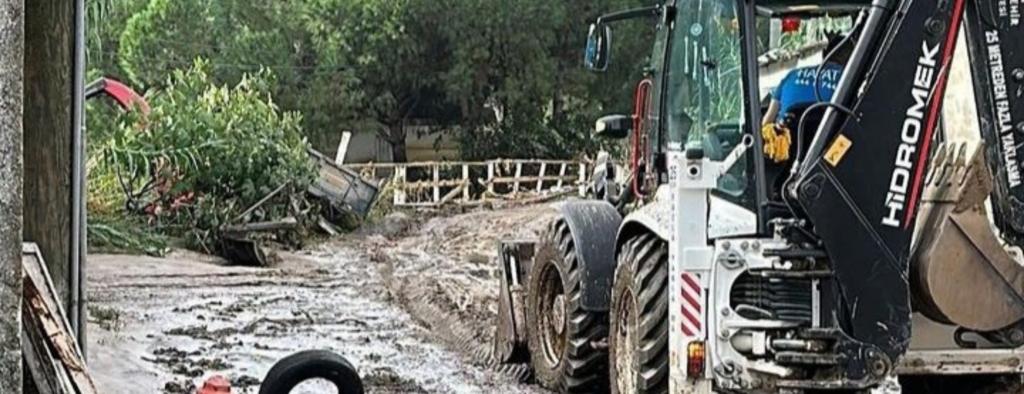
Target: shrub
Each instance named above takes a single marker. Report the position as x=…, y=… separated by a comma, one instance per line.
x=205, y=153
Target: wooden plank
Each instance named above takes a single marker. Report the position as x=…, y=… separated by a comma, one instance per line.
x=529, y=179
x=339, y=157
x=519, y=174
x=532, y=161
x=540, y=178
x=60, y=340
x=35, y=270
x=465, y=180
x=437, y=188
x=430, y=185
x=561, y=174
x=424, y=164
x=44, y=370
x=451, y=194
x=400, y=195
x=583, y=179
x=42, y=303
x=490, y=177
x=511, y=202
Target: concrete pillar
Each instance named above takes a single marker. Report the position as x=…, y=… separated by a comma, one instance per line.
x=49, y=210
x=11, y=63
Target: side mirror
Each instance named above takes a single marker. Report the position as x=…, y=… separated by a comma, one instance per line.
x=598, y=47
x=614, y=126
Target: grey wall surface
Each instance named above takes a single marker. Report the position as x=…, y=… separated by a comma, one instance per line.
x=11, y=63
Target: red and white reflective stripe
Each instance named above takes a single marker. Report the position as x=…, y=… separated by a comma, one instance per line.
x=692, y=305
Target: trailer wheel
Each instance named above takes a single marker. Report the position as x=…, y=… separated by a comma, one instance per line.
x=638, y=340
x=563, y=338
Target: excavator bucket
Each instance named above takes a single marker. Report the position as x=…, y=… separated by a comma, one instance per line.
x=962, y=273
x=510, y=334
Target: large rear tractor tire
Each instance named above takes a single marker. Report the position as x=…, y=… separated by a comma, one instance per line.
x=638, y=340
x=563, y=338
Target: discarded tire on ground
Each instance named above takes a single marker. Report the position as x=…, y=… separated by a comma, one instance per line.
x=563, y=337
x=638, y=337
x=312, y=364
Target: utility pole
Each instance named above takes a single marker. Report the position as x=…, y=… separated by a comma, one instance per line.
x=11, y=74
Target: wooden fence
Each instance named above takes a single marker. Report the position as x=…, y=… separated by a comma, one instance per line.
x=434, y=184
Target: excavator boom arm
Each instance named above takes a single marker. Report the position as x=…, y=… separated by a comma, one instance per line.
x=863, y=179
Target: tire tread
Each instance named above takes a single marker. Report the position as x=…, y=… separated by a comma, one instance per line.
x=583, y=368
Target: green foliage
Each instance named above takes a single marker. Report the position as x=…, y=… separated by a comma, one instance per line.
x=384, y=57
x=505, y=76
x=517, y=68
x=122, y=235
x=207, y=152
x=238, y=37
x=105, y=22
x=164, y=36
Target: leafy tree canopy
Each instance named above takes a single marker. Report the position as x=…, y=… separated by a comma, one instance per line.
x=504, y=76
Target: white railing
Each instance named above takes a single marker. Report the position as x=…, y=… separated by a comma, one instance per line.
x=439, y=183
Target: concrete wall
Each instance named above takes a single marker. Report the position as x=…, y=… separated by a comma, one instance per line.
x=11, y=62
x=959, y=112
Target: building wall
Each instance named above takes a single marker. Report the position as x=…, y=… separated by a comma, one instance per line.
x=367, y=146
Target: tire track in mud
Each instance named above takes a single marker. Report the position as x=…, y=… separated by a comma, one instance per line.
x=444, y=274
x=450, y=328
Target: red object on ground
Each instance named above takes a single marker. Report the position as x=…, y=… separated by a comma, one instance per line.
x=214, y=385
x=790, y=24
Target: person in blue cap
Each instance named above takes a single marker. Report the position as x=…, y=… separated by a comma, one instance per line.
x=801, y=88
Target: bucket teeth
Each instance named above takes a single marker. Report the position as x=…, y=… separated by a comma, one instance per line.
x=957, y=174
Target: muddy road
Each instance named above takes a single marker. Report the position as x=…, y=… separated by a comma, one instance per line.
x=410, y=304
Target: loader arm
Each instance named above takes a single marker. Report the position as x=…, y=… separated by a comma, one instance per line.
x=861, y=183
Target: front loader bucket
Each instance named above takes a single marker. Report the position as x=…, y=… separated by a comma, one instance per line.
x=961, y=273
x=515, y=257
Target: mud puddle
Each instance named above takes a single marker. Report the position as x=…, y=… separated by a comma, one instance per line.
x=164, y=325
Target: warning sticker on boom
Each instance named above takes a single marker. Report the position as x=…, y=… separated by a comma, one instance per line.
x=838, y=149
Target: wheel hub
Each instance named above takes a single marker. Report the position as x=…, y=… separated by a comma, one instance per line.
x=553, y=316
x=558, y=314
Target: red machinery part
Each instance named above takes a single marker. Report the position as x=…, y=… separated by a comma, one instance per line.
x=641, y=106
x=125, y=96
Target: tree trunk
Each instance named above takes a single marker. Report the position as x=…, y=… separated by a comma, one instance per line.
x=396, y=138
x=11, y=73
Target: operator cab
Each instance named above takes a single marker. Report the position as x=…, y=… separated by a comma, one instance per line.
x=699, y=95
